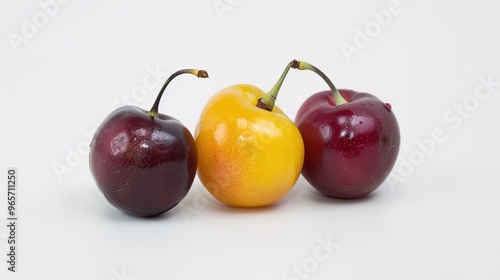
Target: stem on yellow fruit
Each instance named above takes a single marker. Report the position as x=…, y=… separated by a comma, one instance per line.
x=302, y=65
x=199, y=73
x=267, y=101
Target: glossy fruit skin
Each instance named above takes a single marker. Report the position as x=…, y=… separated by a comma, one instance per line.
x=248, y=156
x=143, y=165
x=349, y=149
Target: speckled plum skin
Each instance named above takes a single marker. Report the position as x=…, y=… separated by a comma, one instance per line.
x=350, y=149
x=143, y=165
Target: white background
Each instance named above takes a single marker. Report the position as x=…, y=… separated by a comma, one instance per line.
x=437, y=217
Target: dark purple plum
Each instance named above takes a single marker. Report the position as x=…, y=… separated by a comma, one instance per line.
x=144, y=162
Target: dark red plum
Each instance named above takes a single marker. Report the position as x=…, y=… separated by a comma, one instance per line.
x=351, y=140
x=350, y=149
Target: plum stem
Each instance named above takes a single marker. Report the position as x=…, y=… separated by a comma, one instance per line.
x=267, y=101
x=199, y=73
x=302, y=65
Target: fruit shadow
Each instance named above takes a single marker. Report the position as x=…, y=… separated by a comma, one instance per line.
x=116, y=215
x=220, y=207
x=107, y=211
x=318, y=197
x=199, y=200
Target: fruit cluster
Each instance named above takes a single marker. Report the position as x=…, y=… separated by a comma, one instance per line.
x=245, y=150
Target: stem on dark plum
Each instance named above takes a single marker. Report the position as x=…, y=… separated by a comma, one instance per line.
x=302, y=65
x=199, y=73
x=267, y=101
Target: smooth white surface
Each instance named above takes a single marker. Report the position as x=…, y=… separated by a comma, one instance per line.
x=440, y=222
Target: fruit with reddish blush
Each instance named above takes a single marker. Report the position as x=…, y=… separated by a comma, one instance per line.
x=250, y=152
